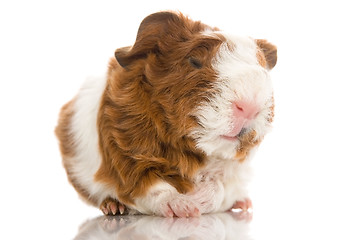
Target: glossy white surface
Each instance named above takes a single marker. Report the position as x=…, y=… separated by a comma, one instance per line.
x=307, y=171
x=207, y=227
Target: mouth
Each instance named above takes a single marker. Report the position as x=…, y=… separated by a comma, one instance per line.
x=236, y=137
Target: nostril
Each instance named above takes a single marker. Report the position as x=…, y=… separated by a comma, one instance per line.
x=240, y=108
x=245, y=109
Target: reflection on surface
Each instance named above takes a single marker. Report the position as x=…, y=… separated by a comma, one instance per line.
x=219, y=226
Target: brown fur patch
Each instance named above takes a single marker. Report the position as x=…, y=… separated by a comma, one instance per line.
x=145, y=115
x=67, y=148
x=269, y=52
x=272, y=111
x=247, y=142
x=261, y=58
x=63, y=130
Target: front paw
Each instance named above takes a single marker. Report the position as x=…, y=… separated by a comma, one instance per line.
x=179, y=206
x=112, y=206
x=244, y=205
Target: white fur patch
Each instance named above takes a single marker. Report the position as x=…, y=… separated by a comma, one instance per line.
x=84, y=127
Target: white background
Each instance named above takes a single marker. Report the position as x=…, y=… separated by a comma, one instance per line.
x=307, y=171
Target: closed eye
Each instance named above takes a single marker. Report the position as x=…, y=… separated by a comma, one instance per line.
x=195, y=63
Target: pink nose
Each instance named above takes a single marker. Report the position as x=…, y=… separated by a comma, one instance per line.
x=245, y=110
x=243, y=113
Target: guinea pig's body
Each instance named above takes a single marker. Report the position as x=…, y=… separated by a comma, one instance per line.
x=170, y=130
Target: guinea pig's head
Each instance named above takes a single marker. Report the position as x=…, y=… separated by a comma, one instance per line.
x=208, y=85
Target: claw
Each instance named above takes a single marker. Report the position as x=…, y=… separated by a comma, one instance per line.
x=104, y=210
x=113, y=208
x=121, y=209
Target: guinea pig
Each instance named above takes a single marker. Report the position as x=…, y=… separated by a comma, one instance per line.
x=171, y=128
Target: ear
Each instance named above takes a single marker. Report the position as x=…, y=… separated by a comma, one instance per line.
x=120, y=54
x=269, y=51
x=150, y=31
